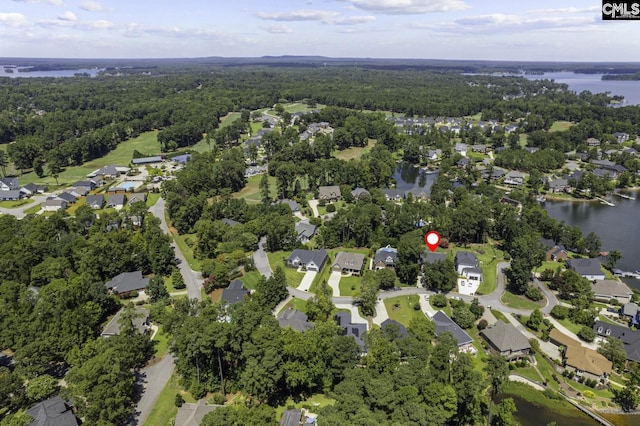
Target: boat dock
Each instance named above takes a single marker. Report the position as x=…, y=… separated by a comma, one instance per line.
x=606, y=202
x=626, y=196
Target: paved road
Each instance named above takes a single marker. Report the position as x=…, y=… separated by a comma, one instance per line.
x=18, y=212
x=192, y=279
x=260, y=259
x=153, y=379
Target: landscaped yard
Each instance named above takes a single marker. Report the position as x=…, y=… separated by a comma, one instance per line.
x=401, y=308
x=15, y=204
x=355, y=152
x=315, y=401
x=294, y=278
x=298, y=304
x=520, y=302
x=161, y=343
x=350, y=286
x=560, y=126
x=251, y=192
x=165, y=408
x=489, y=257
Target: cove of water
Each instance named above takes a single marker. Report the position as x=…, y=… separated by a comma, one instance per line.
x=409, y=177
x=57, y=73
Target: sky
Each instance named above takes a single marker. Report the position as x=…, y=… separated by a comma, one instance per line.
x=541, y=30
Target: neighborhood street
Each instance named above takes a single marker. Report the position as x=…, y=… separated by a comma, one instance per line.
x=152, y=380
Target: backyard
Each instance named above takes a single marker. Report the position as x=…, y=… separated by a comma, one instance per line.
x=401, y=308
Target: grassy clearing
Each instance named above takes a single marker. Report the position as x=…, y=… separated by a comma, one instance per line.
x=350, y=286
x=161, y=343
x=548, y=264
x=147, y=143
x=165, y=409
x=33, y=209
x=152, y=198
x=250, y=279
x=547, y=371
x=401, y=308
x=571, y=326
x=15, y=204
x=520, y=302
x=528, y=372
x=251, y=191
x=355, y=152
x=499, y=316
x=298, y=304
x=278, y=258
x=558, y=407
x=313, y=402
x=560, y=126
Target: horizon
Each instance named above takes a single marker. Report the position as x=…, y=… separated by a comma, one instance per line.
x=549, y=31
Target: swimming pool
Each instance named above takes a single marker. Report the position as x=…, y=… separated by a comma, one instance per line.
x=127, y=186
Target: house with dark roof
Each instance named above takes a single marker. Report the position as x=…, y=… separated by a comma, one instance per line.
x=359, y=192
x=467, y=265
x=305, y=231
x=116, y=201
x=32, y=188
x=394, y=326
x=348, y=263
x=11, y=195
x=506, y=340
x=393, y=194
x=140, y=321
x=9, y=184
x=136, y=197
x=230, y=222
x=386, y=257
x=68, y=197
x=96, y=202
x=630, y=338
x=588, y=268
x=89, y=184
x=127, y=282
x=52, y=412
x=53, y=204
x=181, y=159
x=606, y=290
x=329, y=193
x=355, y=330
x=292, y=205
x=428, y=256
x=235, y=293
x=554, y=251
x=514, y=178
x=310, y=260
x=444, y=324
x=629, y=311
x=109, y=172
x=146, y=160
x=558, y=185
x=295, y=319
x=192, y=414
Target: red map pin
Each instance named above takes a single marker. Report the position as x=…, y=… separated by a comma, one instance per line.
x=432, y=240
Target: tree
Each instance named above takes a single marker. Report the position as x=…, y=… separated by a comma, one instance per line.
x=627, y=398
x=272, y=290
x=369, y=295
x=463, y=317
x=613, y=350
x=504, y=413
x=440, y=275
x=613, y=258
x=37, y=168
x=587, y=334
x=535, y=320
x=177, y=280
x=54, y=170
x=41, y=387
x=4, y=162
x=591, y=244
x=386, y=278
x=498, y=374
x=156, y=289
x=264, y=190
x=439, y=300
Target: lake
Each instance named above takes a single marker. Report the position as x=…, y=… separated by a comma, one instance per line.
x=593, y=83
x=57, y=73
x=616, y=226
x=530, y=414
x=409, y=177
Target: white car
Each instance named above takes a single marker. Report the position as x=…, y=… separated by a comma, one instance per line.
x=426, y=297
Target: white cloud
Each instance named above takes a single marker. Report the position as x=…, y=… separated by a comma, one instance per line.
x=408, y=7
x=78, y=25
x=67, y=16
x=12, y=19
x=297, y=15
x=351, y=20
x=51, y=2
x=91, y=6
x=278, y=29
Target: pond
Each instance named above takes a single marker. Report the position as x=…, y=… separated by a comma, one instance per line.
x=408, y=176
x=531, y=414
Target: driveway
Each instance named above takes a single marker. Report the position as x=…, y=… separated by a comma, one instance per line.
x=314, y=207
x=381, y=313
x=334, y=282
x=308, y=278
x=18, y=212
x=548, y=348
x=355, y=314
x=261, y=260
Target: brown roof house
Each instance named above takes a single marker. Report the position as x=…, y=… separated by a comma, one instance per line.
x=506, y=340
x=329, y=193
x=584, y=362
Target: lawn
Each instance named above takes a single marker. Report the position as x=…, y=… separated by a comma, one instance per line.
x=146, y=143
x=560, y=126
x=165, y=408
x=278, y=259
x=520, y=302
x=571, y=326
x=350, y=286
x=251, y=191
x=183, y=243
x=489, y=257
x=161, y=343
x=404, y=311
x=250, y=279
x=313, y=402
x=152, y=198
x=528, y=372
x=33, y=209
x=547, y=371
x=298, y=304
x=548, y=264
x=15, y=204
x=499, y=316
x=354, y=152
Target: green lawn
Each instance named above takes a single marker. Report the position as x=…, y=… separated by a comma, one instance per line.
x=355, y=152
x=548, y=264
x=15, y=204
x=560, y=126
x=152, y=198
x=499, y=316
x=165, y=408
x=314, y=402
x=278, y=259
x=251, y=192
x=489, y=257
x=33, y=209
x=298, y=304
x=520, y=302
x=250, y=279
x=404, y=311
x=571, y=326
x=181, y=241
x=147, y=143
x=350, y=286
x=547, y=371
x=528, y=372
x=161, y=343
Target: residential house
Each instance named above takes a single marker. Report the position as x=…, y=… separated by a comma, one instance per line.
x=96, y=202
x=109, y=172
x=587, y=363
x=558, y=185
x=395, y=327
x=588, y=268
x=310, y=260
x=32, y=188
x=506, y=340
x=235, y=293
x=348, y=263
x=79, y=191
x=305, y=231
x=230, y=222
x=126, y=283
x=329, y=193
x=629, y=312
x=136, y=197
x=531, y=149
x=11, y=195
x=53, y=204
x=463, y=162
x=593, y=142
x=510, y=201
x=52, y=412
x=430, y=257
x=192, y=414
x=117, y=201
x=181, y=159
x=621, y=136
x=630, y=338
x=606, y=290
x=360, y=192
x=386, y=257
x=393, y=194
x=467, y=265
x=355, y=330
x=460, y=148
x=479, y=148
x=554, y=251
x=140, y=322
x=297, y=418
x=292, y=205
x=146, y=160
x=9, y=184
x=89, y=184
x=295, y=319
x=444, y=324
x=514, y=178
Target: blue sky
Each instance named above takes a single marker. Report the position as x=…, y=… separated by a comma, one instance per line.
x=567, y=30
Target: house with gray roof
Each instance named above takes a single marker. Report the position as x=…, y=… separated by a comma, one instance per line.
x=53, y=204
x=506, y=340
x=305, y=231
x=430, y=257
x=235, y=293
x=611, y=289
x=79, y=191
x=9, y=184
x=192, y=414
x=359, y=192
x=126, y=282
x=349, y=263
x=136, y=197
x=355, y=330
x=394, y=326
x=96, y=202
x=140, y=322
x=310, y=260
x=89, y=184
x=11, y=195
x=68, y=197
x=629, y=311
x=295, y=319
x=146, y=160
x=630, y=338
x=230, y=222
x=514, y=178
x=393, y=194
x=558, y=185
x=52, y=412
x=32, y=188
x=293, y=205
x=386, y=257
x=444, y=324
x=117, y=201
x=465, y=260
x=588, y=268
x=329, y=193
